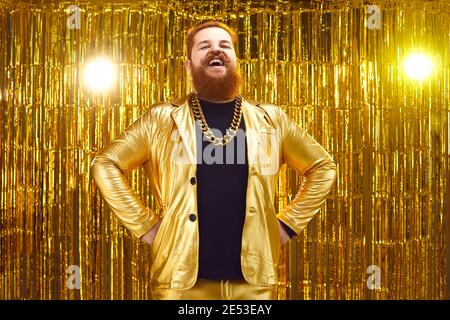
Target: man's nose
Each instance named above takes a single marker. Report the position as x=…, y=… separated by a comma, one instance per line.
x=215, y=50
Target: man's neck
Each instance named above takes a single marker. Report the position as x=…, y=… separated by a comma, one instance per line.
x=213, y=100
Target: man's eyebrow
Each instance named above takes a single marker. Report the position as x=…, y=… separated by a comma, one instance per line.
x=208, y=41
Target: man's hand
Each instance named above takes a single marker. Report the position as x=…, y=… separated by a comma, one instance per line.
x=284, y=237
x=150, y=236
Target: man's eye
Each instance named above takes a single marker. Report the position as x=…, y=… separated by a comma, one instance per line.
x=203, y=47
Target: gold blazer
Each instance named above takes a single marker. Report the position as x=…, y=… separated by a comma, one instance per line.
x=163, y=141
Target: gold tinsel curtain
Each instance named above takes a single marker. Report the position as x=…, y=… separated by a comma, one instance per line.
x=340, y=79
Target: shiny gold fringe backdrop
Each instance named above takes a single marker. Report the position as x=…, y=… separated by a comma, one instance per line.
x=334, y=73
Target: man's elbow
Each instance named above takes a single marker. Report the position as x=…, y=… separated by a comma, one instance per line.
x=325, y=169
x=97, y=164
x=332, y=171
x=101, y=166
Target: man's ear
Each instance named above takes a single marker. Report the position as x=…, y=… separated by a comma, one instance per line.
x=187, y=65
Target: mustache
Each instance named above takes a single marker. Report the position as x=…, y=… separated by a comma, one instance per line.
x=216, y=54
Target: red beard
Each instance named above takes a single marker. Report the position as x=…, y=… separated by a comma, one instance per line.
x=220, y=88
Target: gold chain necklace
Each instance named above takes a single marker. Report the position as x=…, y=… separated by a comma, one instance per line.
x=230, y=132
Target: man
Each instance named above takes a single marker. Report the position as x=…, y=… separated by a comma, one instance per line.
x=213, y=159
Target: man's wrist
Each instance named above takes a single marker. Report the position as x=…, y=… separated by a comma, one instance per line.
x=291, y=233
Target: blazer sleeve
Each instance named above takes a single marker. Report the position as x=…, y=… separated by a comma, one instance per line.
x=109, y=167
x=300, y=151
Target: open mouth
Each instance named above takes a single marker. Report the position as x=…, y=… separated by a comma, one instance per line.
x=216, y=63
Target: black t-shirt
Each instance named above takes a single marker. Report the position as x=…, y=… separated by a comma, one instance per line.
x=221, y=195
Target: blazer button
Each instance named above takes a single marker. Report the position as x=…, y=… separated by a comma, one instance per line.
x=193, y=180
x=192, y=217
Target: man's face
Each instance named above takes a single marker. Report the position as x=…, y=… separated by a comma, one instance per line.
x=213, y=65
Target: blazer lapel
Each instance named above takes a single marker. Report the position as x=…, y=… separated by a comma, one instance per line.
x=253, y=115
x=185, y=123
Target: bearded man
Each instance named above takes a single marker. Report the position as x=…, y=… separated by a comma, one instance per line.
x=212, y=159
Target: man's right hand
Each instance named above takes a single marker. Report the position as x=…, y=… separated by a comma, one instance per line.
x=150, y=236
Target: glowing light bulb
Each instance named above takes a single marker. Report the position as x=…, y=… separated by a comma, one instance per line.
x=99, y=74
x=418, y=66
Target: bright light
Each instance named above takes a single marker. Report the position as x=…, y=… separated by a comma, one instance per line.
x=418, y=66
x=99, y=74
